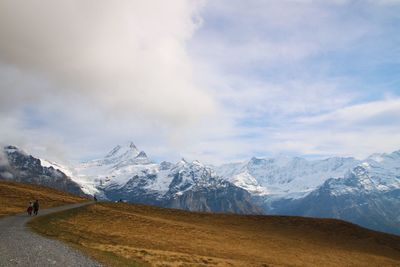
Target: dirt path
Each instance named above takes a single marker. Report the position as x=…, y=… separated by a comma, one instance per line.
x=21, y=247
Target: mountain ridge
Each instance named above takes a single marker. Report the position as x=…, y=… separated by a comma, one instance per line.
x=282, y=186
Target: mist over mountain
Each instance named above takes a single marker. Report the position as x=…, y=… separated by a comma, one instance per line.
x=21, y=167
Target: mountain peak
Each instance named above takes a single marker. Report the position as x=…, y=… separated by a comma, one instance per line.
x=256, y=161
x=183, y=161
x=132, y=145
x=10, y=149
x=197, y=162
x=142, y=154
x=127, y=149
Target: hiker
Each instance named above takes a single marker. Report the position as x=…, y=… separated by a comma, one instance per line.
x=36, y=207
x=30, y=208
x=95, y=198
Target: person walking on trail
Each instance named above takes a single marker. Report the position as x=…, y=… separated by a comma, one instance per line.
x=36, y=207
x=30, y=208
x=94, y=198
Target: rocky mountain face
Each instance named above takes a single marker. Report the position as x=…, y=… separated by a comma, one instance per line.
x=364, y=192
x=127, y=173
x=18, y=166
x=284, y=176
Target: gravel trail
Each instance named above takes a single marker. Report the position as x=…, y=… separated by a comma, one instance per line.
x=21, y=247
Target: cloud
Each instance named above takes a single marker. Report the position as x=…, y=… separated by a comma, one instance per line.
x=125, y=58
x=215, y=80
x=3, y=158
x=276, y=32
x=277, y=100
x=354, y=130
x=278, y=66
x=367, y=114
x=386, y=2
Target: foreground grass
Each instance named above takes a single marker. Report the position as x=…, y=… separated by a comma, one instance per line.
x=135, y=235
x=14, y=197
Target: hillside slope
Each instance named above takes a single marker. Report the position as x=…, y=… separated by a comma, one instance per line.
x=123, y=234
x=14, y=197
x=16, y=165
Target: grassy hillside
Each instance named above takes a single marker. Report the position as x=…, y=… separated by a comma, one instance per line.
x=14, y=197
x=125, y=235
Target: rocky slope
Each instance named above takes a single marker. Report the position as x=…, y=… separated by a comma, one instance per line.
x=128, y=174
x=284, y=176
x=18, y=166
x=366, y=192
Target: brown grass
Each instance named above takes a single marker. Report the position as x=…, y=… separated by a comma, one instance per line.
x=15, y=197
x=125, y=235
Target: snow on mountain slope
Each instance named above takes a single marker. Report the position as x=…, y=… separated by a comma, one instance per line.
x=22, y=167
x=127, y=173
x=126, y=164
x=378, y=173
x=383, y=170
x=195, y=174
x=57, y=166
x=284, y=176
x=115, y=169
x=87, y=186
x=368, y=194
x=281, y=177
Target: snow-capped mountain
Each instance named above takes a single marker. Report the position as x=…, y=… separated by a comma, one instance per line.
x=368, y=194
x=114, y=170
x=16, y=165
x=127, y=173
x=284, y=176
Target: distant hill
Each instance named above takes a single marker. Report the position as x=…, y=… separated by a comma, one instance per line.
x=119, y=234
x=14, y=197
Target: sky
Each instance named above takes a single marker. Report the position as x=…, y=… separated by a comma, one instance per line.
x=217, y=81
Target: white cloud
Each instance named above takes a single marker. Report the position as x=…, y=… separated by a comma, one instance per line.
x=355, y=130
x=359, y=113
x=386, y=2
x=282, y=99
x=125, y=57
x=232, y=80
x=79, y=76
x=3, y=158
x=276, y=32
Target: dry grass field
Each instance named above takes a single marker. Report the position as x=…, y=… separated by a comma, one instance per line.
x=135, y=235
x=14, y=197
